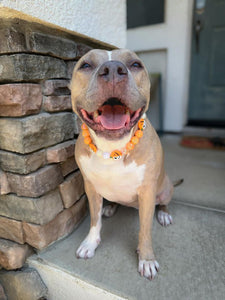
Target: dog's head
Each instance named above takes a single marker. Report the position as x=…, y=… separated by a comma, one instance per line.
x=110, y=91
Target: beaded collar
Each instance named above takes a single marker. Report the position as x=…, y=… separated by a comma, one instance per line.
x=115, y=154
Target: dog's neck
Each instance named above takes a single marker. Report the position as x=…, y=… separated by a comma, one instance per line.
x=106, y=145
x=109, y=145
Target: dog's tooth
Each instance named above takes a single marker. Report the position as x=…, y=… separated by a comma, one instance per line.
x=127, y=112
x=96, y=114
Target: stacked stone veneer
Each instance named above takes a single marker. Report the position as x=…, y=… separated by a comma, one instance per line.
x=41, y=189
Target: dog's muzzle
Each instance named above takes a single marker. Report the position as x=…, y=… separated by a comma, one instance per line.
x=113, y=117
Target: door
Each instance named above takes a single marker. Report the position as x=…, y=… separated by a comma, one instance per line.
x=207, y=81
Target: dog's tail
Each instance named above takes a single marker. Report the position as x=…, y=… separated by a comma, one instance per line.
x=178, y=182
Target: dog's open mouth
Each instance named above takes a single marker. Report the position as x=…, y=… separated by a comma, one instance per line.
x=112, y=116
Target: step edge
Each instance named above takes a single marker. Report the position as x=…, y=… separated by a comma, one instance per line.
x=40, y=265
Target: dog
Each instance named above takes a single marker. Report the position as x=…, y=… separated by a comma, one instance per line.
x=118, y=152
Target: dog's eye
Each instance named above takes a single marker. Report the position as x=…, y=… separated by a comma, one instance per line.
x=85, y=65
x=137, y=65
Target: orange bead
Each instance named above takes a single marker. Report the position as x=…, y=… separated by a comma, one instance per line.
x=141, y=124
x=87, y=140
x=85, y=133
x=129, y=146
x=139, y=133
x=134, y=140
x=84, y=126
x=116, y=154
x=93, y=147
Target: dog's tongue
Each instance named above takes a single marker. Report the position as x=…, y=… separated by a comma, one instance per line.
x=113, y=116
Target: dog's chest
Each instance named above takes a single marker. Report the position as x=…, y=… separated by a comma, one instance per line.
x=112, y=179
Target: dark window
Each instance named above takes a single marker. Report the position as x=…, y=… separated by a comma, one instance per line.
x=144, y=12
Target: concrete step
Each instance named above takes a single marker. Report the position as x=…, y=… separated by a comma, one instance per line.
x=190, y=253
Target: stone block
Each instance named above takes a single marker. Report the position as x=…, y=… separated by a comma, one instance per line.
x=30, y=67
x=22, y=163
x=11, y=230
x=13, y=255
x=72, y=189
x=25, y=135
x=2, y=293
x=56, y=87
x=60, y=152
x=20, y=99
x=37, y=183
x=52, y=45
x=68, y=166
x=25, y=284
x=12, y=40
x=57, y=103
x=70, y=67
x=82, y=49
x=34, y=210
x=41, y=236
x=4, y=184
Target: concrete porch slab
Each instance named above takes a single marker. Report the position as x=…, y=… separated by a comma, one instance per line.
x=190, y=253
x=203, y=172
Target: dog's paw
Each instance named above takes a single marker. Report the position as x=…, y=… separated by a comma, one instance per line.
x=164, y=218
x=87, y=248
x=109, y=210
x=148, y=268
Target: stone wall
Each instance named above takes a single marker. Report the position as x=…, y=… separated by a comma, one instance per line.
x=41, y=189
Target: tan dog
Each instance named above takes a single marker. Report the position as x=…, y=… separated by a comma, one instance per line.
x=110, y=93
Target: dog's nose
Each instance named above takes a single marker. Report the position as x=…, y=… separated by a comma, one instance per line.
x=113, y=70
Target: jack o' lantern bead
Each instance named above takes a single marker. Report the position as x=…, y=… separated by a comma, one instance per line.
x=141, y=124
x=116, y=154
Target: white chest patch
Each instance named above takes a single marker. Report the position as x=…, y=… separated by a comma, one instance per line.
x=112, y=179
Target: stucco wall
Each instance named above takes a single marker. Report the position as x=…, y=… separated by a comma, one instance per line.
x=174, y=36
x=99, y=19
x=155, y=62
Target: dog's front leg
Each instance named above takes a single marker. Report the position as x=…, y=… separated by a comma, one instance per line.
x=93, y=239
x=148, y=266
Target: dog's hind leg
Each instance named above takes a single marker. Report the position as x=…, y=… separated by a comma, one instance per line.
x=109, y=210
x=163, y=198
x=163, y=216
